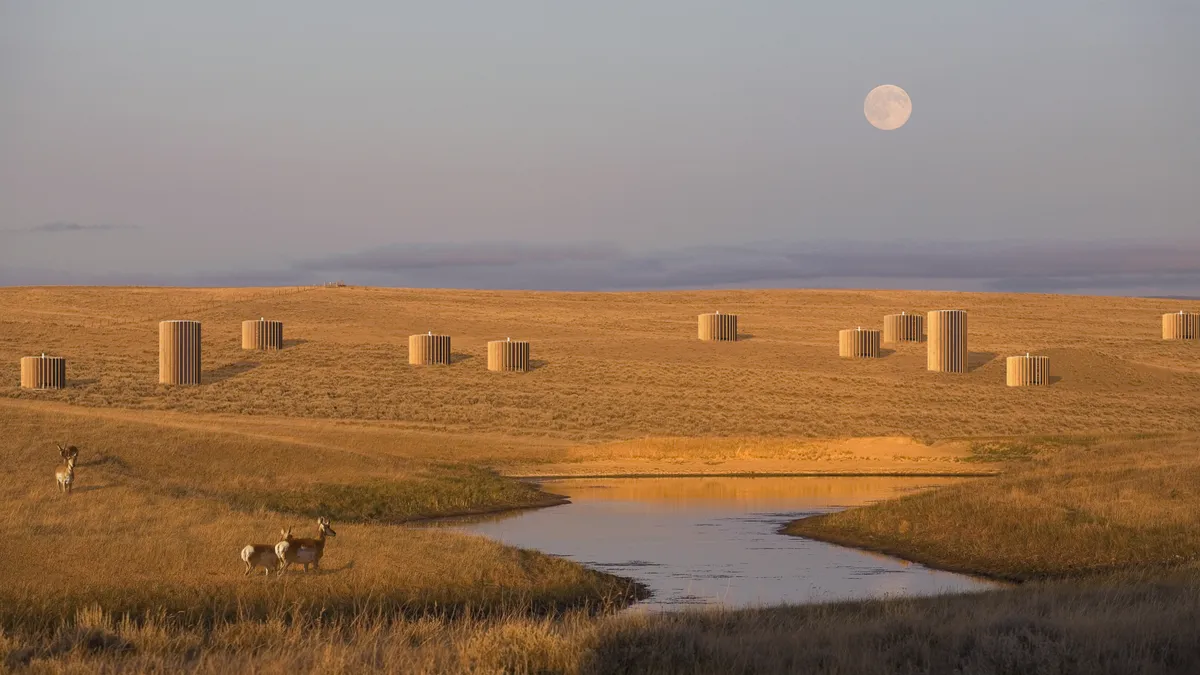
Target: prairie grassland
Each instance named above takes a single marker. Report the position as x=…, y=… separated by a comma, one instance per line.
x=139, y=570
x=617, y=366
x=1071, y=510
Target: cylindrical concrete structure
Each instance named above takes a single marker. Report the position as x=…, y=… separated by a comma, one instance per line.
x=858, y=343
x=903, y=327
x=43, y=372
x=179, y=352
x=262, y=334
x=427, y=349
x=508, y=355
x=947, y=335
x=718, y=327
x=1028, y=371
x=1181, y=326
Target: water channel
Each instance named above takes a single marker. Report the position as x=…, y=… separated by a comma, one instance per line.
x=705, y=541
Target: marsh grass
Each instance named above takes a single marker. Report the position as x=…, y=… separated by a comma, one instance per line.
x=1023, y=449
x=1118, y=626
x=456, y=491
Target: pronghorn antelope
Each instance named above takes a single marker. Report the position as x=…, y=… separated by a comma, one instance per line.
x=263, y=555
x=65, y=473
x=303, y=551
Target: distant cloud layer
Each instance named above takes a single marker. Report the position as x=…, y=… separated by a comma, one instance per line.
x=1128, y=267
x=417, y=257
x=51, y=228
x=1009, y=266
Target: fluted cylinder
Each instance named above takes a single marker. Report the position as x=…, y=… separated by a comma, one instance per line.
x=179, y=352
x=262, y=334
x=903, y=327
x=427, y=349
x=718, y=326
x=43, y=372
x=947, y=334
x=1181, y=326
x=508, y=355
x=1028, y=371
x=858, y=343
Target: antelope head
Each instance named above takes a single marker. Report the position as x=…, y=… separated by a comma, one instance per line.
x=323, y=526
x=69, y=453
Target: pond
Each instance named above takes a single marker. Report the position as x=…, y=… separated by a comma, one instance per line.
x=716, y=541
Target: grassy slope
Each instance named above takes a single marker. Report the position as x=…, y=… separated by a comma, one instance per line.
x=160, y=513
x=620, y=365
x=187, y=459
x=1068, y=511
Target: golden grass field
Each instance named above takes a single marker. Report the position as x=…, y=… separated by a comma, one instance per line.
x=138, y=569
x=621, y=365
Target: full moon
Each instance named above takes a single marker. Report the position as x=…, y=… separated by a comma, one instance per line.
x=887, y=107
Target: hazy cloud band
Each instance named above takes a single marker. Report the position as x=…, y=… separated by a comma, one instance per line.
x=1129, y=267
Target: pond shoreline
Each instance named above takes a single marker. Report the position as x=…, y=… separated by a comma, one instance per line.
x=550, y=499
x=859, y=545
x=753, y=474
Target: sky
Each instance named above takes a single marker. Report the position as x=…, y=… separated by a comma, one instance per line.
x=578, y=145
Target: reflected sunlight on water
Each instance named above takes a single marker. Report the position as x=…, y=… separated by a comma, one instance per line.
x=756, y=493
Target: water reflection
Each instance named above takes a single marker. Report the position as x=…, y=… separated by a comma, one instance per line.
x=715, y=540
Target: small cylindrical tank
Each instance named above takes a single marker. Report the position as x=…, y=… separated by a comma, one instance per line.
x=262, y=334
x=428, y=349
x=1028, y=371
x=947, y=333
x=903, y=327
x=858, y=343
x=43, y=372
x=508, y=355
x=718, y=327
x=1181, y=326
x=179, y=352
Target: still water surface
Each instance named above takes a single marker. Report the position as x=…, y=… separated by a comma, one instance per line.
x=696, y=541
